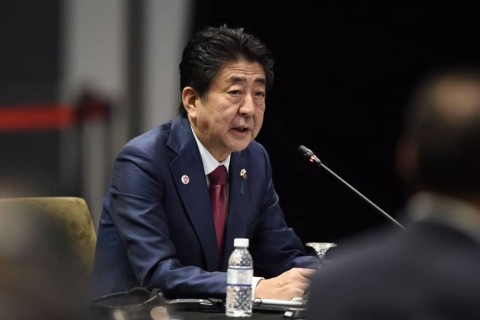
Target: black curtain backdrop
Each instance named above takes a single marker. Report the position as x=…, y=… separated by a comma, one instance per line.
x=344, y=72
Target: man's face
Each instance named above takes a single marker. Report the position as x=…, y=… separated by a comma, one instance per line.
x=232, y=114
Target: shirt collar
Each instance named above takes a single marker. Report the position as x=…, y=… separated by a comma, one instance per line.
x=209, y=162
x=446, y=210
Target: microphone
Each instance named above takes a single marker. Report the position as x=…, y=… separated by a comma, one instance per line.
x=311, y=157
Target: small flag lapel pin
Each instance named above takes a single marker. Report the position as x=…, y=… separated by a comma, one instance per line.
x=243, y=175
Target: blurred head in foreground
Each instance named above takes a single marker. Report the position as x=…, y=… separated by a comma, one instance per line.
x=440, y=147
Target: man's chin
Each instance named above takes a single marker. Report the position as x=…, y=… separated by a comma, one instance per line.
x=236, y=147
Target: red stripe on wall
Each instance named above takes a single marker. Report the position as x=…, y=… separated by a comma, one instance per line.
x=36, y=117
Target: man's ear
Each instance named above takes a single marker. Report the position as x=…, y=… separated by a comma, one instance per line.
x=189, y=100
x=406, y=161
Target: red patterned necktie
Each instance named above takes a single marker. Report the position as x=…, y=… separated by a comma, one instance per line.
x=218, y=197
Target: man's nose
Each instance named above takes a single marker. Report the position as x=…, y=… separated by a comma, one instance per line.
x=248, y=106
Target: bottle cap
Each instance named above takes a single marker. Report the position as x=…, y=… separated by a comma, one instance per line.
x=240, y=242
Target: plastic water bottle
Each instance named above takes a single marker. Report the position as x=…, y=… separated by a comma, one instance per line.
x=239, y=280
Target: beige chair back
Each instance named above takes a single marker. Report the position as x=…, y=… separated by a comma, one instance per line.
x=75, y=216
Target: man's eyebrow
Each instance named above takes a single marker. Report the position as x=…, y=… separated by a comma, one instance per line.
x=237, y=79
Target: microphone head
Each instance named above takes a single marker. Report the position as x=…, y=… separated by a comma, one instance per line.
x=309, y=155
x=304, y=151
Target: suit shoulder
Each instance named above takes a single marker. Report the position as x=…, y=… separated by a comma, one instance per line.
x=255, y=148
x=151, y=138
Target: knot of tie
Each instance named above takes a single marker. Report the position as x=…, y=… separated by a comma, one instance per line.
x=219, y=175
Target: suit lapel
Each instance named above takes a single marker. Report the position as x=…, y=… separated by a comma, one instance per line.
x=193, y=190
x=238, y=207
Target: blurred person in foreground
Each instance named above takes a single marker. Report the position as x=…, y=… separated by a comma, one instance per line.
x=39, y=279
x=430, y=269
x=157, y=229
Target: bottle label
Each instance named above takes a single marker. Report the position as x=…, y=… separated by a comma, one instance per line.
x=239, y=275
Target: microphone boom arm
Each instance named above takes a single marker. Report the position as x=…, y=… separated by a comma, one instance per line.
x=315, y=160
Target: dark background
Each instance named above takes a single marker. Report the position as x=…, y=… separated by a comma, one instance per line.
x=344, y=72
x=30, y=69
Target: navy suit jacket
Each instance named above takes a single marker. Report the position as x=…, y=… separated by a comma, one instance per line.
x=428, y=271
x=157, y=230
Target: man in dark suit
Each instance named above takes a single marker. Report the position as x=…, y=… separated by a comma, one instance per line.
x=157, y=229
x=430, y=270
